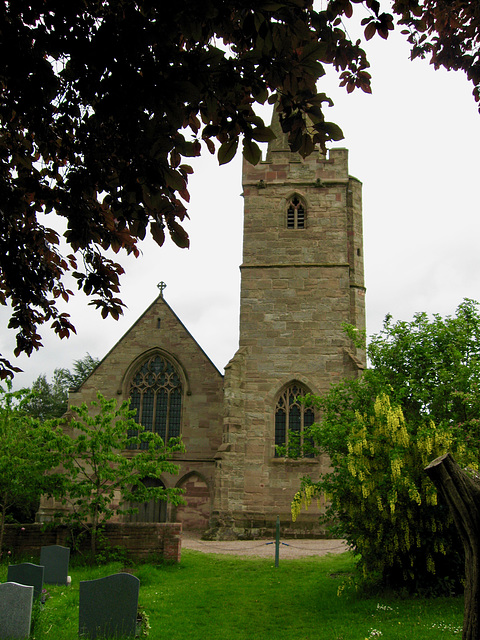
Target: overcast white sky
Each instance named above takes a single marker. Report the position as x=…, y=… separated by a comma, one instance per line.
x=413, y=144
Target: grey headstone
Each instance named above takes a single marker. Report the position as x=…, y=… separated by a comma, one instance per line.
x=108, y=606
x=15, y=610
x=55, y=561
x=27, y=573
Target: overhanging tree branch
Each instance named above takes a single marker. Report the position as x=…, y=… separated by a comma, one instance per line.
x=102, y=102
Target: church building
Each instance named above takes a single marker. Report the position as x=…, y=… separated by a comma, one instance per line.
x=302, y=277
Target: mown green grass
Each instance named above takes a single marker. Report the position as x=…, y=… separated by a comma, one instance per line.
x=215, y=597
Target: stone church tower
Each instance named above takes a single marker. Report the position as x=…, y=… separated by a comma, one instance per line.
x=302, y=277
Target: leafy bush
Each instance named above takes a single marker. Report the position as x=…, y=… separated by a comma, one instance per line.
x=419, y=401
x=385, y=505
x=27, y=458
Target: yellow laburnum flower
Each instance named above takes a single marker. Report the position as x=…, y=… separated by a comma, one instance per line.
x=430, y=564
x=396, y=466
x=296, y=506
x=407, y=537
x=403, y=439
x=392, y=500
x=358, y=447
x=414, y=495
x=308, y=495
x=395, y=542
x=301, y=500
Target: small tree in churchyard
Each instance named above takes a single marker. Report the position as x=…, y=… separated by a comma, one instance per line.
x=419, y=401
x=27, y=457
x=105, y=461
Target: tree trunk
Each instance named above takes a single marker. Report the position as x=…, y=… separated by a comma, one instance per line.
x=462, y=494
x=93, y=543
x=93, y=537
x=3, y=515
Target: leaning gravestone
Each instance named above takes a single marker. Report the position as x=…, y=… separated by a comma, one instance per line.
x=28, y=574
x=108, y=606
x=16, y=602
x=55, y=559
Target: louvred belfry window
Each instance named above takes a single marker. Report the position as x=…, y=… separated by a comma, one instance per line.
x=291, y=419
x=156, y=394
x=296, y=214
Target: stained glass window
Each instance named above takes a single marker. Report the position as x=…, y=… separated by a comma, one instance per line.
x=291, y=419
x=156, y=393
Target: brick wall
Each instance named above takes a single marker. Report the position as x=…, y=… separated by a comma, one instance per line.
x=140, y=540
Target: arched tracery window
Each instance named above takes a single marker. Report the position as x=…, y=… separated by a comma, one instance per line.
x=156, y=393
x=291, y=419
x=296, y=213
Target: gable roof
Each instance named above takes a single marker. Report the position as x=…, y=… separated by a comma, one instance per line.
x=158, y=300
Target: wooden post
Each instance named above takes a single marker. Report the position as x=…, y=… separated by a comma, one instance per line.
x=461, y=491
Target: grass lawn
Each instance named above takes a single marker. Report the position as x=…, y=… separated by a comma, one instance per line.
x=217, y=597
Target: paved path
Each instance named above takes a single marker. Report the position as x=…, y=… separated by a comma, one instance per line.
x=289, y=549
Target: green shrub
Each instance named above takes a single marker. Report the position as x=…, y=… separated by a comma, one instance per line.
x=419, y=400
x=384, y=504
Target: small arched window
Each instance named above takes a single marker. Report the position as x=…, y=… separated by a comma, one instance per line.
x=296, y=214
x=156, y=393
x=292, y=417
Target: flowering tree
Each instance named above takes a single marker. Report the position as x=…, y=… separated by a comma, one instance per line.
x=385, y=505
x=419, y=401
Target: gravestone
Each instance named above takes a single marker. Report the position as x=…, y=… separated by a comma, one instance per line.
x=108, y=606
x=54, y=559
x=16, y=602
x=28, y=574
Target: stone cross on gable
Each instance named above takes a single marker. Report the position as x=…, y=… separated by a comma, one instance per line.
x=161, y=285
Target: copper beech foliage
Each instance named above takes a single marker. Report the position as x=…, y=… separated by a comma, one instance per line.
x=103, y=102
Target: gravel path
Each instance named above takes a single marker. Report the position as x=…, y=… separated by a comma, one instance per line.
x=265, y=548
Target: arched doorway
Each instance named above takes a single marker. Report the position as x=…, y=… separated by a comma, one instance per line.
x=153, y=511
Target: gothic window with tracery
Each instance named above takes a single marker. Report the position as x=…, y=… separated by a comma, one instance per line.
x=296, y=214
x=291, y=419
x=156, y=393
